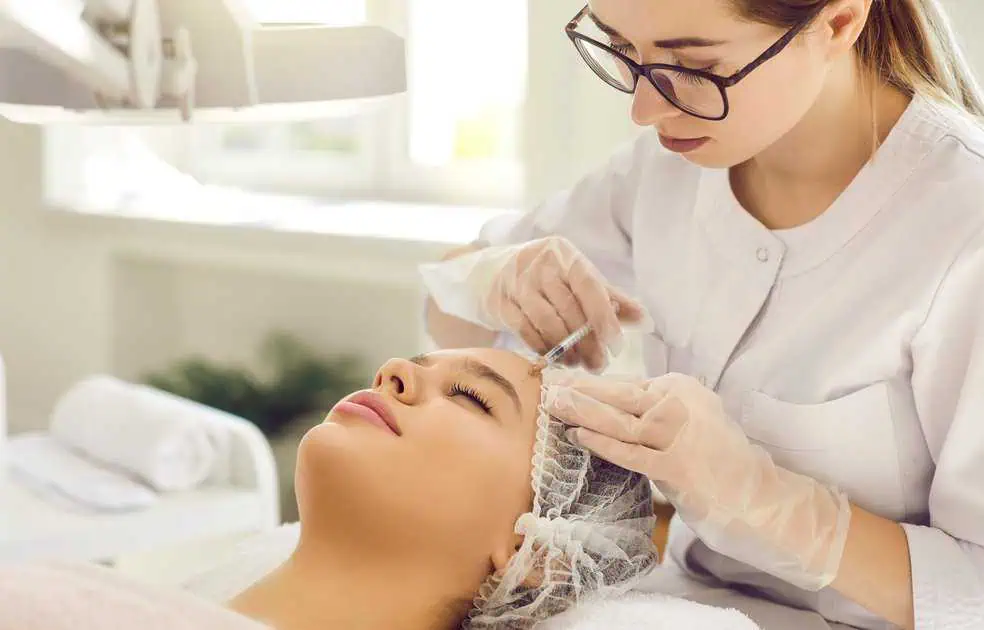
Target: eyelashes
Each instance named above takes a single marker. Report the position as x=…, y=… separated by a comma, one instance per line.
x=625, y=49
x=472, y=394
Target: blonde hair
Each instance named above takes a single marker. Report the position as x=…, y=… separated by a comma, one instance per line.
x=908, y=44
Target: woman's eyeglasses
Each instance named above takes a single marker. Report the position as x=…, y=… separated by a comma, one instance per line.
x=696, y=92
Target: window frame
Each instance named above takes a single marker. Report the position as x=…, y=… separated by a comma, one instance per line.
x=382, y=170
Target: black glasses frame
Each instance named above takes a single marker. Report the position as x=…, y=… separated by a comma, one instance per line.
x=637, y=70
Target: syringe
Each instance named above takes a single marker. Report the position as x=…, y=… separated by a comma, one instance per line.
x=567, y=344
x=562, y=348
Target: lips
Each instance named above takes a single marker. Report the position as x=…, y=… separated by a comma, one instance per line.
x=370, y=406
x=682, y=145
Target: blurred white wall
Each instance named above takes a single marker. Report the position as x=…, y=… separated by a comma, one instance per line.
x=80, y=295
x=573, y=119
x=55, y=294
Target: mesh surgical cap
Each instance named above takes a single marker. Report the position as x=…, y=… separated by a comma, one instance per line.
x=588, y=535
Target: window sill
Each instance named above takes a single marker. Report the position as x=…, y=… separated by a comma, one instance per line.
x=357, y=241
x=219, y=207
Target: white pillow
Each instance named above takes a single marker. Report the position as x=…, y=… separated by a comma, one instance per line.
x=248, y=563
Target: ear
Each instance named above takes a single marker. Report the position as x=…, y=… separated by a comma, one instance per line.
x=502, y=557
x=844, y=21
x=505, y=552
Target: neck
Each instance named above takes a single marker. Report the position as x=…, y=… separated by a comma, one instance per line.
x=324, y=588
x=798, y=177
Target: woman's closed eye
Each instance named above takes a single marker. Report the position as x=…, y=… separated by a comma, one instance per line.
x=472, y=395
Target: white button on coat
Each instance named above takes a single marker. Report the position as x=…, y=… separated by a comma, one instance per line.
x=852, y=347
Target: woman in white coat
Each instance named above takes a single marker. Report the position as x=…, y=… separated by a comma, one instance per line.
x=805, y=227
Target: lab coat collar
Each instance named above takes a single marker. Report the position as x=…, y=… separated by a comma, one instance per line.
x=740, y=236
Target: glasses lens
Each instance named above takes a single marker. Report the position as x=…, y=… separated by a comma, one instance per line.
x=607, y=65
x=690, y=92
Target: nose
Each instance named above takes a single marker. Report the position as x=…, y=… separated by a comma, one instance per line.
x=649, y=107
x=399, y=379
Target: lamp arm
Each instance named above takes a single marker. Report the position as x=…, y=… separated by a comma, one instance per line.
x=113, y=47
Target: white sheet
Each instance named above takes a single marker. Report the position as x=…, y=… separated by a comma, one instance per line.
x=671, y=580
x=245, y=565
x=667, y=596
x=638, y=611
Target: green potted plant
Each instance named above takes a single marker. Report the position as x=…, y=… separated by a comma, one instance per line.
x=299, y=383
x=298, y=390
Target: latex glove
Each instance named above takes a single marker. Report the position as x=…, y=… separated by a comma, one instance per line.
x=541, y=291
x=728, y=490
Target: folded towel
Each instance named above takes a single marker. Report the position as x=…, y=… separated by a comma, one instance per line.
x=67, y=478
x=167, y=441
x=647, y=611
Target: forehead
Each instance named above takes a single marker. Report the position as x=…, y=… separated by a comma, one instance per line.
x=665, y=19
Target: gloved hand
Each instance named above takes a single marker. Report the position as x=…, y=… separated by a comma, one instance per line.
x=728, y=490
x=542, y=291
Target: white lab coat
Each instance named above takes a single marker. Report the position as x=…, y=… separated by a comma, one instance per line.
x=852, y=347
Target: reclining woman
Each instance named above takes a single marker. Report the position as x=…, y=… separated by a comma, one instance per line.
x=416, y=511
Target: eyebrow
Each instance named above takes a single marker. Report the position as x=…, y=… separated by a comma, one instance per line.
x=478, y=370
x=669, y=44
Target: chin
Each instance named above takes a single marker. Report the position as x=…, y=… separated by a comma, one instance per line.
x=711, y=156
x=351, y=487
x=343, y=492
x=330, y=445
x=335, y=460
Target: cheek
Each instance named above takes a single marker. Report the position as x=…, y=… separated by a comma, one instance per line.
x=765, y=106
x=480, y=466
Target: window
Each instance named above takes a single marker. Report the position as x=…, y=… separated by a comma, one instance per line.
x=454, y=137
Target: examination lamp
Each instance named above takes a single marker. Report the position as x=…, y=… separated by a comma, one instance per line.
x=166, y=61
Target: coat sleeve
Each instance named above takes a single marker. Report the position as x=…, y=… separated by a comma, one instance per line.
x=947, y=556
x=595, y=214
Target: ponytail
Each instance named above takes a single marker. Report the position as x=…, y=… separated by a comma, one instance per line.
x=911, y=45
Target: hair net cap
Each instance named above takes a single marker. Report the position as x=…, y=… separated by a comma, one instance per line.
x=589, y=535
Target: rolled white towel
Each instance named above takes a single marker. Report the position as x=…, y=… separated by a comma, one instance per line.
x=162, y=439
